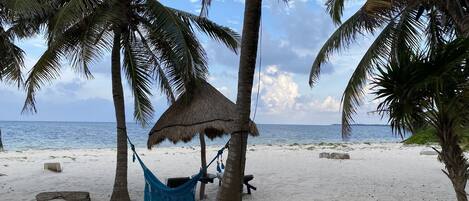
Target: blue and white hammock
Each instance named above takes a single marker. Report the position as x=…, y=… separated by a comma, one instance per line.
x=155, y=190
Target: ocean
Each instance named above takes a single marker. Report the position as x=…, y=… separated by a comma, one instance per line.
x=18, y=135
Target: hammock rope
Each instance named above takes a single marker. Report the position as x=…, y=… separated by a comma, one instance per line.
x=155, y=190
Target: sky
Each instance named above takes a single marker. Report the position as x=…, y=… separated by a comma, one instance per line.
x=292, y=34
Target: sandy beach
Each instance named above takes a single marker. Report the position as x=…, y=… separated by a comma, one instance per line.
x=387, y=171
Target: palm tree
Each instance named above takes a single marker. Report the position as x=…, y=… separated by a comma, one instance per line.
x=398, y=25
x=431, y=88
x=158, y=44
x=234, y=172
x=232, y=178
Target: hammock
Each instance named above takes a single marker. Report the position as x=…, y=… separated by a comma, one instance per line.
x=155, y=190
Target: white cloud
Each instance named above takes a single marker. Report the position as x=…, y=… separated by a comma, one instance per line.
x=329, y=104
x=278, y=90
x=280, y=94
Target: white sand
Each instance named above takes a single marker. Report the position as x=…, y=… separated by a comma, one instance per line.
x=375, y=172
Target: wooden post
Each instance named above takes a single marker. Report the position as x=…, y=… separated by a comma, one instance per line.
x=1, y=144
x=204, y=163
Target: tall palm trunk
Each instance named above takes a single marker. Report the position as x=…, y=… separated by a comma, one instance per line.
x=234, y=172
x=120, y=192
x=452, y=156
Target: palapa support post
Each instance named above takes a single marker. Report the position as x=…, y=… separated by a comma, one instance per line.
x=203, y=159
x=1, y=144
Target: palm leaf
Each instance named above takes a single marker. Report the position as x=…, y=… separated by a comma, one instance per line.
x=72, y=12
x=335, y=9
x=205, y=5
x=47, y=68
x=376, y=54
x=11, y=61
x=189, y=58
x=346, y=34
x=158, y=73
x=222, y=34
x=137, y=71
x=407, y=37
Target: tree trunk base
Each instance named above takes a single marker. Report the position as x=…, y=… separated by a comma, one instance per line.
x=120, y=196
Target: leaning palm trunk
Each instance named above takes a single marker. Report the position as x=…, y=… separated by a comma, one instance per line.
x=456, y=164
x=453, y=157
x=451, y=153
x=234, y=172
x=120, y=192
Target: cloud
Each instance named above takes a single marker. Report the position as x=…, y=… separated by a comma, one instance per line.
x=280, y=94
x=329, y=104
x=278, y=90
x=289, y=41
x=281, y=101
x=292, y=35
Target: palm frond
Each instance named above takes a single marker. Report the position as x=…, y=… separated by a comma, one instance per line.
x=219, y=33
x=11, y=61
x=407, y=37
x=395, y=84
x=335, y=9
x=137, y=71
x=205, y=6
x=21, y=8
x=93, y=39
x=70, y=13
x=189, y=58
x=158, y=73
x=357, y=24
x=69, y=45
x=47, y=68
x=376, y=55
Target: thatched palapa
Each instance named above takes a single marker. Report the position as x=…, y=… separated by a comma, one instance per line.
x=208, y=112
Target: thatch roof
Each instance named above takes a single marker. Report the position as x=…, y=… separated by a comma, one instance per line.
x=209, y=112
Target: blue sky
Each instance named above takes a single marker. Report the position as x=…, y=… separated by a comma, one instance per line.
x=292, y=35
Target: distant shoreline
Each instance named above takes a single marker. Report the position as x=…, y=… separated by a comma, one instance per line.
x=362, y=124
x=215, y=146
x=133, y=122
x=44, y=135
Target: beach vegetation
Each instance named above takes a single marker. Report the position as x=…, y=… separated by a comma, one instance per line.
x=423, y=136
x=431, y=88
x=418, y=60
x=428, y=136
x=398, y=25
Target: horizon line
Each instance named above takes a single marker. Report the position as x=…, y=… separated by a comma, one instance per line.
x=133, y=122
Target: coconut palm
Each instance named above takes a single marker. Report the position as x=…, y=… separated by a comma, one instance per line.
x=232, y=178
x=431, y=88
x=158, y=44
x=398, y=25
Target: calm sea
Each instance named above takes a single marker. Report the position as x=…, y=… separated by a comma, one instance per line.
x=77, y=135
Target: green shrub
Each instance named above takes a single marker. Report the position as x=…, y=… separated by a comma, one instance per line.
x=423, y=136
x=428, y=136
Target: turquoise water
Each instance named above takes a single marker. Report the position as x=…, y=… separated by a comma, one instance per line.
x=77, y=135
